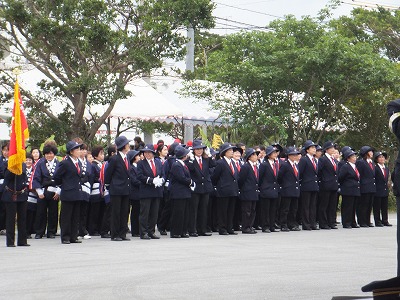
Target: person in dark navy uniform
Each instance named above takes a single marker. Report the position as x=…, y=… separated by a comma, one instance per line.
x=199, y=168
x=238, y=162
x=224, y=179
x=48, y=193
x=117, y=181
x=3, y=163
x=382, y=190
x=180, y=194
x=328, y=187
x=349, y=180
x=69, y=176
x=308, y=174
x=269, y=190
x=96, y=207
x=151, y=176
x=249, y=190
x=288, y=179
x=15, y=196
x=134, y=197
x=393, y=110
x=366, y=168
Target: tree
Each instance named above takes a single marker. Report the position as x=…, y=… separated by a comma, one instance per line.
x=294, y=82
x=90, y=49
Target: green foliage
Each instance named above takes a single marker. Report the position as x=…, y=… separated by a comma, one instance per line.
x=90, y=49
x=301, y=80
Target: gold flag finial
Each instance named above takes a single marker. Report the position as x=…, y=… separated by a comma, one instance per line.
x=16, y=71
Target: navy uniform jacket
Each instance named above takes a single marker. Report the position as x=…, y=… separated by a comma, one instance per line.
x=180, y=181
x=135, y=183
x=96, y=193
x=41, y=175
x=21, y=185
x=116, y=176
x=349, y=181
x=3, y=165
x=68, y=177
x=224, y=180
x=308, y=175
x=87, y=179
x=327, y=176
x=382, y=189
x=288, y=181
x=201, y=177
x=248, y=183
x=367, y=176
x=145, y=176
x=268, y=181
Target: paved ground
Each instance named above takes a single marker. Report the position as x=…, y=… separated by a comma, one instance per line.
x=294, y=265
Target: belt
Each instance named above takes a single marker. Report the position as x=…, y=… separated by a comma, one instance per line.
x=15, y=193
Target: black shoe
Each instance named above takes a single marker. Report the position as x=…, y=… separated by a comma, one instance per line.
x=117, y=239
x=23, y=245
x=306, y=228
x=125, y=238
x=248, y=231
x=11, y=245
x=266, y=230
x=154, y=237
x=347, y=226
x=364, y=226
x=334, y=227
x=135, y=235
x=232, y=232
x=145, y=237
x=51, y=236
x=175, y=236
x=223, y=233
x=38, y=236
x=193, y=234
x=387, y=224
x=325, y=227
x=379, y=225
x=105, y=236
x=285, y=229
x=371, y=225
x=185, y=236
x=205, y=234
x=76, y=242
x=295, y=229
x=314, y=228
x=354, y=226
x=163, y=232
x=65, y=242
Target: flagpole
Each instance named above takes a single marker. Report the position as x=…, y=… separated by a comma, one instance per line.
x=16, y=72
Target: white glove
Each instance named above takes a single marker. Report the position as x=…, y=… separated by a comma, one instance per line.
x=193, y=186
x=157, y=181
x=167, y=183
x=191, y=155
x=207, y=152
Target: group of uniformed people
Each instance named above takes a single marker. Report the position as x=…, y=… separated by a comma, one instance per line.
x=190, y=190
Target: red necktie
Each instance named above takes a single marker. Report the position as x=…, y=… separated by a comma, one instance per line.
x=126, y=162
x=371, y=166
x=200, y=164
x=232, y=169
x=77, y=167
x=358, y=174
x=153, y=168
x=384, y=173
x=274, y=169
x=314, y=164
x=334, y=164
x=277, y=164
x=295, y=170
x=238, y=166
x=255, y=171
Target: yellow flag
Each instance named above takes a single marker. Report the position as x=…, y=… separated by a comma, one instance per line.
x=217, y=141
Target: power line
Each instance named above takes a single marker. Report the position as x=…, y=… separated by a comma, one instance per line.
x=370, y=5
x=241, y=23
x=249, y=10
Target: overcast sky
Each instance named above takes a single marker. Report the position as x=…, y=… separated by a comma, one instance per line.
x=248, y=13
